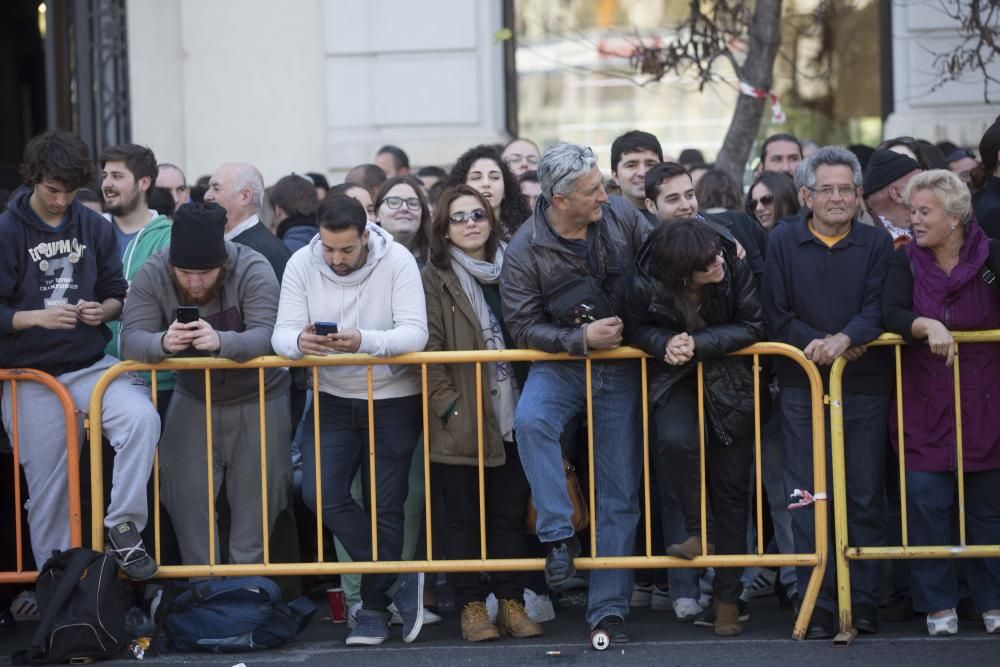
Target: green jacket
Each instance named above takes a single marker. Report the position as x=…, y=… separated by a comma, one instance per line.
x=151, y=239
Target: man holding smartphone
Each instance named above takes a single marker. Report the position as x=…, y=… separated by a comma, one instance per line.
x=353, y=274
x=207, y=296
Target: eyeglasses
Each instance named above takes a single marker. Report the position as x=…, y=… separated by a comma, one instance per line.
x=827, y=191
x=766, y=200
x=463, y=217
x=394, y=203
x=517, y=157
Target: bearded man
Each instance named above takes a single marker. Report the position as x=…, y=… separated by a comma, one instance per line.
x=205, y=296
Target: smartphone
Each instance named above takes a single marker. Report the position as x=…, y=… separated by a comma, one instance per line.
x=187, y=314
x=324, y=328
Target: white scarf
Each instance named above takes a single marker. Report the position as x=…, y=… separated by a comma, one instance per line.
x=503, y=390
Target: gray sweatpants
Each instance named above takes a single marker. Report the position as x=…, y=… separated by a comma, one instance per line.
x=236, y=459
x=130, y=424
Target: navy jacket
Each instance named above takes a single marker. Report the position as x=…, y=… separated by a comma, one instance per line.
x=261, y=239
x=42, y=265
x=811, y=291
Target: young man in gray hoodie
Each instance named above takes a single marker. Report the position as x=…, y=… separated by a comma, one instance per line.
x=355, y=276
x=235, y=292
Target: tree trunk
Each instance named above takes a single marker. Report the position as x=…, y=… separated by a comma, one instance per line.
x=757, y=70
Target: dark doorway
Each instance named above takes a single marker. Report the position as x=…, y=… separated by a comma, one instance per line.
x=22, y=82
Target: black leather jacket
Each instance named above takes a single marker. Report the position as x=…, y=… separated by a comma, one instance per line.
x=537, y=264
x=734, y=320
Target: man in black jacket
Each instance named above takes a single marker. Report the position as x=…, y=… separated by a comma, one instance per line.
x=239, y=188
x=563, y=285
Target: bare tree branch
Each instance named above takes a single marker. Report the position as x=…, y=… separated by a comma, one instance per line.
x=979, y=22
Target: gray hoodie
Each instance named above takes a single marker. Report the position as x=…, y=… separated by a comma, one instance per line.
x=243, y=313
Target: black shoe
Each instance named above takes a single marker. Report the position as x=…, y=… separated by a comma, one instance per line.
x=898, y=611
x=559, y=567
x=864, y=618
x=125, y=545
x=7, y=623
x=615, y=627
x=823, y=625
x=706, y=619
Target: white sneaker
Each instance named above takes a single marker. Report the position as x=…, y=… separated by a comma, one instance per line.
x=660, y=600
x=991, y=619
x=943, y=626
x=686, y=609
x=642, y=595
x=491, y=607
x=430, y=618
x=538, y=607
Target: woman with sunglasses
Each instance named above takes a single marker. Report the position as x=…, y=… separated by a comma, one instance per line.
x=693, y=301
x=771, y=197
x=401, y=209
x=461, y=285
x=482, y=169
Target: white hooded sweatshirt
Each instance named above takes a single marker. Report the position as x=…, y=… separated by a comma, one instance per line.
x=384, y=300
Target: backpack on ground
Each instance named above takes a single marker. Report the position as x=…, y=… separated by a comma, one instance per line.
x=232, y=615
x=82, y=603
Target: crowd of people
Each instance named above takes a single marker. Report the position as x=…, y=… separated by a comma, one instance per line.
x=516, y=247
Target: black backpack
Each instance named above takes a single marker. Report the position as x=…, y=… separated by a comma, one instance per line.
x=82, y=604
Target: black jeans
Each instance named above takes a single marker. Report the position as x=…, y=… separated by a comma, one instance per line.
x=343, y=426
x=506, y=504
x=727, y=470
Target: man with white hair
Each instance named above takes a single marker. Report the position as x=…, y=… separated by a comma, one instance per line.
x=239, y=188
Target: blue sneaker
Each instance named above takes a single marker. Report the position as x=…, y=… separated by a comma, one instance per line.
x=371, y=630
x=409, y=600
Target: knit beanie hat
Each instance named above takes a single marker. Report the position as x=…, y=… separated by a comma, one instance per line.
x=196, y=237
x=885, y=168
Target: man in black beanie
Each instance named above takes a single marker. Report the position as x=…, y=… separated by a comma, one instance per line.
x=208, y=296
x=885, y=179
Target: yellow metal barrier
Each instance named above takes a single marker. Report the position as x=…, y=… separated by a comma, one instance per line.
x=13, y=376
x=845, y=553
x=816, y=560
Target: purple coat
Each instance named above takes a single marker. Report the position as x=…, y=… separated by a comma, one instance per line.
x=962, y=301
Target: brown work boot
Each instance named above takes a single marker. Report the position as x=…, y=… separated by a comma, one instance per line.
x=689, y=549
x=727, y=619
x=476, y=626
x=514, y=621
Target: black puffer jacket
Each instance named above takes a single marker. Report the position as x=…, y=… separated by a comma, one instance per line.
x=537, y=265
x=734, y=320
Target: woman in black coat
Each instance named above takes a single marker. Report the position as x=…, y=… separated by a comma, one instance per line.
x=694, y=301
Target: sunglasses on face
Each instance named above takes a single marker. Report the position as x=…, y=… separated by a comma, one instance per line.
x=766, y=200
x=463, y=217
x=394, y=203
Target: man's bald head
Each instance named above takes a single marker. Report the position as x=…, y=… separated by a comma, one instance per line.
x=239, y=188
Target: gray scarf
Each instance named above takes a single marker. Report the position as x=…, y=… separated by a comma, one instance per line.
x=503, y=390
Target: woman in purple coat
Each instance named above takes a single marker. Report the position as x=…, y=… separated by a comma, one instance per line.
x=936, y=285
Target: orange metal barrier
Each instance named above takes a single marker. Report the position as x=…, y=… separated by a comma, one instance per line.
x=14, y=376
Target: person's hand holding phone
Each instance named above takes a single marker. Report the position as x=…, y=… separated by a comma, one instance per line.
x=176, y=338
x=312, y=342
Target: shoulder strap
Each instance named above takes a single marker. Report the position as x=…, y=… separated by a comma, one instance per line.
x=70, y=577
x=991, y=268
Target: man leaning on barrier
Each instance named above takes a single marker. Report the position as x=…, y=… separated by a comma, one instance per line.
x=60, y=283
x=821, y=293
x=235, y=292
x=365, y=289
x=563, y=287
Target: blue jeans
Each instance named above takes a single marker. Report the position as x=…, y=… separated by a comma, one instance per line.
x=930, y=500
x=554, y=393
x=865, y=434
x=343, y=425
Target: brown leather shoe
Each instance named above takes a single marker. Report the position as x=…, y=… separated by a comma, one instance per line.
x=476, y=626
x=514, y=621
x=727, y=619
x=689, y=549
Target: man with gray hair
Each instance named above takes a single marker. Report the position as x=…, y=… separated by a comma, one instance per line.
x=822, y=293
x=563, y=284
x=239, y=188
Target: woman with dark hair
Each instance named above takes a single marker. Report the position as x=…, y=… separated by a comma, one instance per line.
x=401, y=209
x=482, y=169
x=461, y=286
x=716, y=192
x=692, y=301
x=771, y=197
x=986, y=182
